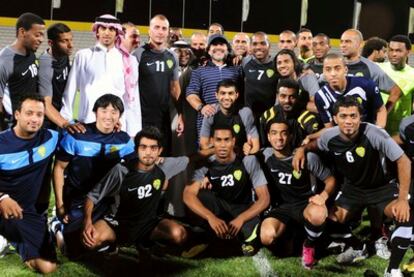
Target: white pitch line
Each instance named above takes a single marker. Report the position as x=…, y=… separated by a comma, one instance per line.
x=262, y=265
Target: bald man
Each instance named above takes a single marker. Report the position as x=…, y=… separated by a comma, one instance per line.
x=241, y=44
x=351, y=41
x=158, y=80
x=287, y=40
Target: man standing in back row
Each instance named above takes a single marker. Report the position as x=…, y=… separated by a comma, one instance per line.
x=158, y=80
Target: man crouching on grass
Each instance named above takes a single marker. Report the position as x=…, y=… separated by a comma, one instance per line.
x=137, y=188
x=228, y=206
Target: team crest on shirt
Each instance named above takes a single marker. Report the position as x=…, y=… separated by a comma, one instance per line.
x=270, y=72
x=113, y=149
x=359, y=74
x=296, y=174
x=359, y=99
x=360, y=151
x=315, y=126
x=156, y=184
x=236, y=128
x=170, y=63
x=237, y=174
x=42, y=151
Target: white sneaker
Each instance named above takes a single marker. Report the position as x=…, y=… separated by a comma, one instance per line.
x=381, y=248
x=393, y=273
x=4, y=246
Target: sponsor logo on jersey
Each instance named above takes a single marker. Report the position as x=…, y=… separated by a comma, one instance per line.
x=42, y=151
x=237, y=174
x=270, y=72
x=170, y=63
x=236, y=128
x=360, y=151
x=156, y=184
x=296, y=174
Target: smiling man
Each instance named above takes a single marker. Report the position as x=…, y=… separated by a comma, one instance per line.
x=25, y=152
x=201, y=92
x=356, y=148
x=101, y=69
x=241, y=120
x=340, y=85
x=402, y=74
x=82, y=160
x=18, y=68
x=259, y=75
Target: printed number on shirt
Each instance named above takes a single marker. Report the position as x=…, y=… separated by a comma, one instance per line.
x=33, y=70
x=349, y=157
x=285, y=178
x=227, y=180
x=144, y=192
x=159, y=66
x=260, y=74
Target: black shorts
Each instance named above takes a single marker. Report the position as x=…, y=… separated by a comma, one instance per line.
x=128, y=232
x=289, y=212
x=354, y=200
x=30, y=236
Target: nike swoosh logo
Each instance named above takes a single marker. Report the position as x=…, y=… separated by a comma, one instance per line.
x=251, y=70
x=24, y=73
x=149, y=64
x=87, y=148
x=132, y=189
x=411, y=141
x=337, y=153
x=215, y=177
x=58, y=77
x=15, y=161
x=403, y=248
x=274, y=170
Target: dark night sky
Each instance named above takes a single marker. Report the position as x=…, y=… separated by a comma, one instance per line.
x=378, y=17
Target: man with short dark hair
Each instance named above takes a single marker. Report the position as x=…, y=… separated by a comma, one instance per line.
x=101, y=69
x=228, y=207
x=356, y=149
x=137, y=187
x=339, y=85
x=375, y=49
x=398, y=69
x=25, y=152
x=18, y=69
x=295, y=196
x=304, y=45
x=82, y=160
x=320, y=48
x=54, y=67
x=215, y=28
x=290, y=106
x=227, y=112
x=201, y=92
